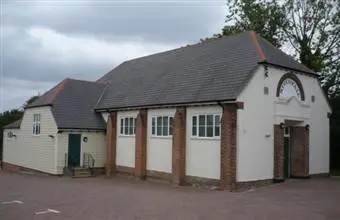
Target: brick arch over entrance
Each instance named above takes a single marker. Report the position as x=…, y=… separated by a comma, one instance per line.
x=292, y=76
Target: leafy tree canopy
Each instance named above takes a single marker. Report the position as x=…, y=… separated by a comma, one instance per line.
x=310, y=27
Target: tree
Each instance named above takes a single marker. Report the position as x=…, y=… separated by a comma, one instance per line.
x=310, y=27
x=262, y=16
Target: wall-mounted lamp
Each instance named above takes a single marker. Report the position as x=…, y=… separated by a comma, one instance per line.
x=307, y=127
x=51, y=136
x=282, y=125
x=85, y=139
x=10, y=134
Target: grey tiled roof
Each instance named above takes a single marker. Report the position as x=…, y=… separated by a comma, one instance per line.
x=15, y=124
x=277, y=57
x=216, y=70
x=72, y=104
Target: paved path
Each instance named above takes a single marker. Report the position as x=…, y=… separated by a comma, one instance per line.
x=24, y=197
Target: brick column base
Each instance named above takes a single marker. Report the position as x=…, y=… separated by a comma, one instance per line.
x=228, y=147
x=140, y=144
x=278, y=154
x=300, y=152
x=111, y=135
x=178, y=146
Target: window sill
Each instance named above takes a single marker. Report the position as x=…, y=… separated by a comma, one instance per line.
x=160, y=137
x=125, y=135
x=206, y=138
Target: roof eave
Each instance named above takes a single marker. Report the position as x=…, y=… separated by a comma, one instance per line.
x=312, y=73
x=78, y=128
x=37, y=106
x=172, y=105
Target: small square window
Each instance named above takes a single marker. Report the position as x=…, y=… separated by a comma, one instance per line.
x=161, y=126
x=313, y=98
x=208, y=125
x=128, y=126
x=266, y=90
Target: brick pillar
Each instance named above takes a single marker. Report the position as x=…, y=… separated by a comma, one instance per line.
x=278, y=153
x=228, y=147
x=300, y=152
x=140, y=144
x=111, y=135
x=178, y=146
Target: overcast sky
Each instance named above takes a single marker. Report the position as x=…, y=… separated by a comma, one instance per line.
x=43, y=42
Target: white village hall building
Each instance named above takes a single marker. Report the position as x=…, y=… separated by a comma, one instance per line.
x=231, y=112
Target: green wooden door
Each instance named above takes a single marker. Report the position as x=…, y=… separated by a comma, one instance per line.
x=74, y=150
x=286, y=157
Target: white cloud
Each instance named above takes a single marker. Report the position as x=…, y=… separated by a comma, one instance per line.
x=84, y=48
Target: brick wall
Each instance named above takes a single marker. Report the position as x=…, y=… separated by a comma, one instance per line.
x=228, y=147
x=111, y=134
x=140, y=144
x=278, y=153
x=178, y=146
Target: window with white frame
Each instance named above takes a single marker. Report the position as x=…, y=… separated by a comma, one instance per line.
x=161, y=126
x=206, y=125
x=36, y=124
x=128, y=126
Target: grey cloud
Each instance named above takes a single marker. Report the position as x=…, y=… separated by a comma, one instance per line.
x=167, y=24
x=154, y=21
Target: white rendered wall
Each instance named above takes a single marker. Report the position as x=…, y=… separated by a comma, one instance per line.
x=202, y=154
x=95, y=145
x=159, y=149
x=105, y=116
x=36, y=152
x=125, y=144
x=255, y=136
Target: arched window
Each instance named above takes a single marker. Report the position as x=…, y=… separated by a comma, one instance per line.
x=290, y=85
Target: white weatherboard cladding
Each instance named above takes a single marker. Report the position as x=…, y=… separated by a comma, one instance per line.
x=255, y=124
x=202, y=154
x=33, y=151
x=125, y=144
x=159, y=149
x=95, y=145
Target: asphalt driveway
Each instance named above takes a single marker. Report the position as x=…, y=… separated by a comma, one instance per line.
x=25, y=197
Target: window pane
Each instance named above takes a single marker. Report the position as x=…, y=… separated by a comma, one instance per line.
x=202, y=120
x=201, y=129
x=210, y=125
x=126, y=126
x=130, y=126
x=210, y=131
x=134, y=126
x=159, y=126
x=121, y=126
x=210, y=120
x=153, y=125
x=33, y=129
x=194, y=125
x=38, y=129
x=165, y=126
x=217, y=125
x=170, y=125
